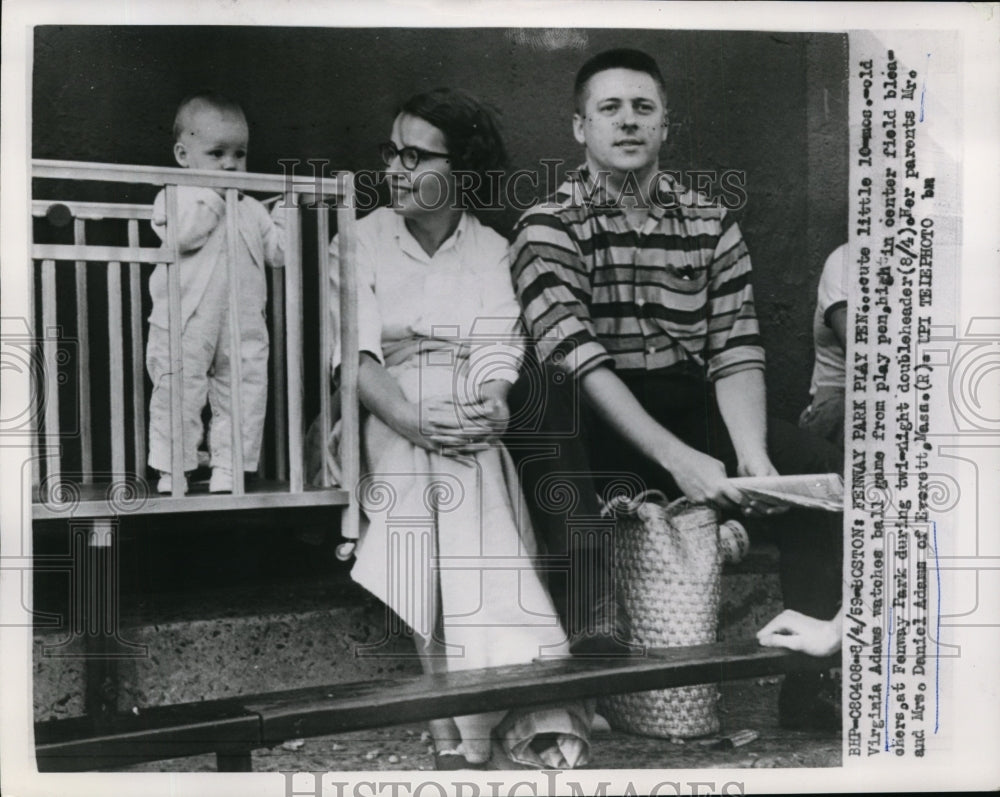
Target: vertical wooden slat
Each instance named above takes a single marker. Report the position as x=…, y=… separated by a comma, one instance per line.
x=50, y=376
x=278, y=373
x=174, y=321
x=83, y=359
x=116, y=369
x=235, y=336
x=34, y=376
x=325, y=332
x=138, y=362
x=263, y=468
x=350, y=437
x=293, y=315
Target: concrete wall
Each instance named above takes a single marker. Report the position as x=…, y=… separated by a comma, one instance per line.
x=772, y=105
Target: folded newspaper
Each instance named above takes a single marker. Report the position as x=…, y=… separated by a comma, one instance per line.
x=811, y=490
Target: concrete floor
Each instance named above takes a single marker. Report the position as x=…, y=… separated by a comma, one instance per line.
x=212, y=633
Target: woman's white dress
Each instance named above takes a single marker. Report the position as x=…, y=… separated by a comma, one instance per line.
x=448, y=544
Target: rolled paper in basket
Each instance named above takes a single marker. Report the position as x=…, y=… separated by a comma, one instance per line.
x=734, y=542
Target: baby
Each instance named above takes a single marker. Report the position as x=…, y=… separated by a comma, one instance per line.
x=210, y=132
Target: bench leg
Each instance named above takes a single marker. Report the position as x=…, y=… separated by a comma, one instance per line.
x=93, y=619
x=103, y=645
x=100, y=588
x=234, y=761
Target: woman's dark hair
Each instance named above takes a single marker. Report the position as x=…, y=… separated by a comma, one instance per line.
x=470, y=128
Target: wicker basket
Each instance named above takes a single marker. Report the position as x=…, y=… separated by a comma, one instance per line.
x=668, y=574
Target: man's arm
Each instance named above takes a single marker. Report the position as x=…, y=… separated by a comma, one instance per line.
x=743, y=405
x=552, y=282
x=736, y=357
x=734, y=342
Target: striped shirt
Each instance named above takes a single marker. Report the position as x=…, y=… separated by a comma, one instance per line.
x=596, y=292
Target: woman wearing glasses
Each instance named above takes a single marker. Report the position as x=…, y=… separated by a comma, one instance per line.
x=448, y=545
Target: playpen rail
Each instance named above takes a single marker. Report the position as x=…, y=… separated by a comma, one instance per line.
x=287, y=366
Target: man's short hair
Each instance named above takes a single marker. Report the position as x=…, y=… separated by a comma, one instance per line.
x=620, y=58
x=200, y=99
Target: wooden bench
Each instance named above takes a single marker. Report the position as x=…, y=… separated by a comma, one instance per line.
x=232, y=728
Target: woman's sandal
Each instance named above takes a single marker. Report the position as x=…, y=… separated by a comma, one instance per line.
x=451, y=760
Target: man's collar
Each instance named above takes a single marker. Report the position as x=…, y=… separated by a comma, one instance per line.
x=581, y=188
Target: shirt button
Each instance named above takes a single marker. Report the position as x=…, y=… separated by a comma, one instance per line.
x=651, y=350
x=640, y=302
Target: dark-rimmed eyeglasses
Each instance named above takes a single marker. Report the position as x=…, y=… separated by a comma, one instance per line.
x=410, y=157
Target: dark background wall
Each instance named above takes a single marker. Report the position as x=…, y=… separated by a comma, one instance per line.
x=771, y=105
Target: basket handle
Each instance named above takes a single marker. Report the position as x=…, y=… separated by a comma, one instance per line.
x=680, y=503
x=624, y=504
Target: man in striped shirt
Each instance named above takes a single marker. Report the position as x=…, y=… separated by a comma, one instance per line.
x=637, y=291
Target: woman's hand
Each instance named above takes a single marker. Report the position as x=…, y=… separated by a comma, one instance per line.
x=797, y=631
x=445, y=426
x=439, y=424
x=433, y=424
x=468, y=426
x=492, y=407
x=489, y=416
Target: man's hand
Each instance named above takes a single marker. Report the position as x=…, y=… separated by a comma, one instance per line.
x=797, y=631
x=758, y=464
x=701, y=478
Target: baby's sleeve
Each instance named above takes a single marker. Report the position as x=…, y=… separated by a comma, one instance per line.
x=199, y=211
x=275, y=234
